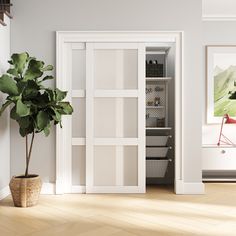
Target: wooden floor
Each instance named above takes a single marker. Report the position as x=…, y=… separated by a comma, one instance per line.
x=157, y=213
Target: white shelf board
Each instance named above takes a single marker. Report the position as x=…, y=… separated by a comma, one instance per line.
x=216, y=146
x=155, y=49
x=150, y=79
x=155, y=107
x=156, y=53
x=219, y=179
x=158, y=128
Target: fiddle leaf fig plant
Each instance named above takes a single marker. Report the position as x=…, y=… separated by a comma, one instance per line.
x=34, y=106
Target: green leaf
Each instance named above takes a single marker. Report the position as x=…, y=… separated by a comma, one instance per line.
x=4, y=106
x=66, y=108
x=13, y=72
x=41, y=100
x=19, y=61
x=51, y=94
x=48, y=77
x=24, y=122
x=31, y=90
x=42, y=120
x=34, y=70
x=31, y=58
x=57, y=115
x=21, y=86
x=24, y=131
x=60, y=95
x=13, y=98
x=46, y=130
x=8, y=85
x=22, y=109
x=13, y=114
x=47, y=68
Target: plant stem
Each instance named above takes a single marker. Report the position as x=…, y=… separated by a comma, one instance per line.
x=29, y=154
x=26, y=149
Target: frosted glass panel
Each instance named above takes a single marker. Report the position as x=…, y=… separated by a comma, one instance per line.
x=130, y=165
x=104, y=165
x=78, y=165
x=78, y=118
x=78, y=69
x=116, y=117
x=116, y=69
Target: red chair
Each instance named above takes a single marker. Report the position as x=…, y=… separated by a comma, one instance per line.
x=222, y=138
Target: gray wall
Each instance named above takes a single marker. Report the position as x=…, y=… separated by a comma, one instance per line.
x=4, y=119
x=215, y=33
x=33, y=30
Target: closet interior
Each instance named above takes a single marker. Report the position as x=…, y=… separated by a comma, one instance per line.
x=160, y=114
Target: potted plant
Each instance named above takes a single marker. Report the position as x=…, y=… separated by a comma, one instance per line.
x=34, y=107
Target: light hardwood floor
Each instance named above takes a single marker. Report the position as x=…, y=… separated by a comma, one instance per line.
x=157, y=213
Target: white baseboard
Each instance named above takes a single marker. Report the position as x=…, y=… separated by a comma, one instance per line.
x=4, y=192
x=78, y=189
x=48, y=188
x=180, y=188
x=189, y=187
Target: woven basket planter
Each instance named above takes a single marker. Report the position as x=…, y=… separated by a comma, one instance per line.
x=25, y=191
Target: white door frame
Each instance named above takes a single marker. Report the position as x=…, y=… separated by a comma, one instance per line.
x=63, y=136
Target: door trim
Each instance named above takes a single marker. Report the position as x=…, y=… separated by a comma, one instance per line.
x=64, y=45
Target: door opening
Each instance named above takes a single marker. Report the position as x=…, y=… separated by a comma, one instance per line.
x=160, y=113
x=114, y=80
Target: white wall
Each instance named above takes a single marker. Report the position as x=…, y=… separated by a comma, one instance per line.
x=33, y=30
x=216, y=33
x=4, y=119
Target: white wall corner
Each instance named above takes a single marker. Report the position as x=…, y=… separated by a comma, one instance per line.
x=4, y=121
x=189, y=187
x=4, y=192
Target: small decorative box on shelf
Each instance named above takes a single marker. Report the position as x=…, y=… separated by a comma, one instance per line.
x=154, y=69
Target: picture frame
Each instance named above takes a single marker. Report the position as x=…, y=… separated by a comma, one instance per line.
x=221, y=82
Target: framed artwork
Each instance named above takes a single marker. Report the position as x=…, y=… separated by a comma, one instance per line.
x=221, y=82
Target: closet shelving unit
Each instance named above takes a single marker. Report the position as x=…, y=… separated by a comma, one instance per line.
x=158, y=131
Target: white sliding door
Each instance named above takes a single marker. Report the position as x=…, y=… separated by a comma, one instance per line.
x=115, y=118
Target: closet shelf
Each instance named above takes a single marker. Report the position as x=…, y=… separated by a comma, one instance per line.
x=155, y=107
x=159, y=159
x=158, y=128
x=150, y=79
